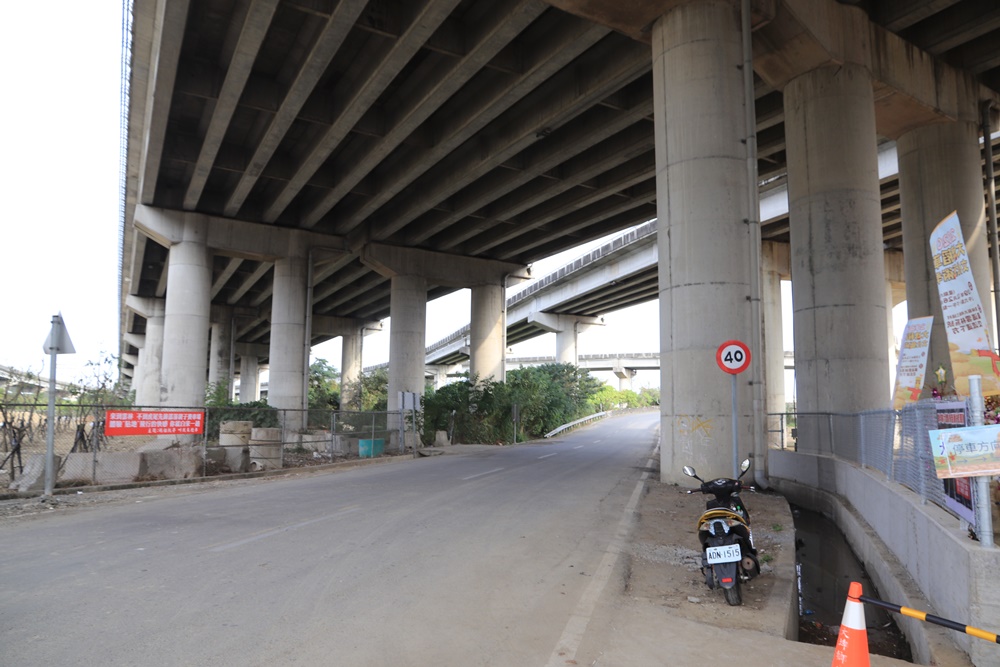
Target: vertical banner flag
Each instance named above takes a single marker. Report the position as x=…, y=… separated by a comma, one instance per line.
x=964, y=319
x=912, y=364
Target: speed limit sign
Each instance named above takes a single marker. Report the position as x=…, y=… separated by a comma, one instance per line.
x=733, y=357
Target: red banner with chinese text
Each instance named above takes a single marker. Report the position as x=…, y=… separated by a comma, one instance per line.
x=154, y=422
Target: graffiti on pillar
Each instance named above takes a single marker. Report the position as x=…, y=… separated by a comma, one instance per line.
x=693, y=432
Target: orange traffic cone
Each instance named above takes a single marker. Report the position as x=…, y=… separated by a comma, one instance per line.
x=852, y=642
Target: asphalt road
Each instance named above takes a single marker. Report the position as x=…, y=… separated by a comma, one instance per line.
x=495, y=557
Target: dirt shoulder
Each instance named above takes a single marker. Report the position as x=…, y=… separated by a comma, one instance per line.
x=664, y=561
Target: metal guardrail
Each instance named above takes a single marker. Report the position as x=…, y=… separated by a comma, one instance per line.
x=583, y=420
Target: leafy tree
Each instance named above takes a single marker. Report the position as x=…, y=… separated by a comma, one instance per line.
x=324, y=391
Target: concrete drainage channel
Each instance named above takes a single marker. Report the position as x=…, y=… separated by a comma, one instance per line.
x=826, y=567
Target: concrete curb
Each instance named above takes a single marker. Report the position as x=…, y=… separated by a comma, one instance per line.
x=326, y=467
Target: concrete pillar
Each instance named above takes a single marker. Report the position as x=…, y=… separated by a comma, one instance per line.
x=407, y=334
x=249, y=378
x=625, y=376
x=147, y=391
x=838, y=273
x=487, y=337
x=220, y=369
x=186, y=317
x=940, y=172
x=566, y=344
x=774, y=265
x=350, y=369
x=567, y=329
x=287, y=352
x=704, y=243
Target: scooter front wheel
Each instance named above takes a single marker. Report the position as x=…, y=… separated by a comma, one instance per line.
x=733, y=595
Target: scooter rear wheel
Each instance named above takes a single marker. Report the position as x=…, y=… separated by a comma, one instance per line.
x=733, y=595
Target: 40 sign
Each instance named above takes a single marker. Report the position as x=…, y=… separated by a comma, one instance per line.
x=733, y=357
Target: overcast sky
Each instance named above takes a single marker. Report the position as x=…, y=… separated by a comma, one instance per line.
x=60, y=74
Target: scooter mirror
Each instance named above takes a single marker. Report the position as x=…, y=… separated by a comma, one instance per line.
x=689, y=471
x=745, y=465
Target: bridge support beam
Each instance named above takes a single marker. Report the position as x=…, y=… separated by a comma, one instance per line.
x=567, y=329
x=288, y=351
x=838, y=269
x=774, y=264
x=147, y=381
x=407, y=333
x=940, y=172
x=487, y=332
x=704, y=241
x=187, y=311
x=220, y=368
x=249, y=378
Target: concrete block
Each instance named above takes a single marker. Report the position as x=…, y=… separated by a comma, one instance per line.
x=317, y=441
x=110, y=468
x=32, y=479
x=441, y=439
x=176, y=463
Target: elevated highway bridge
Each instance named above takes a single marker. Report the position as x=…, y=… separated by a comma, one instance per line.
x=298, y=170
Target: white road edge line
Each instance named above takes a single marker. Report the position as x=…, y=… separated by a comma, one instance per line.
x=578, y=447
x=572, y=636
x=277, y=531
x=547, y=456
x=488, y=472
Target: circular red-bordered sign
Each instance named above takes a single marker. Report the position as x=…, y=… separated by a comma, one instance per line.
x=733, y=357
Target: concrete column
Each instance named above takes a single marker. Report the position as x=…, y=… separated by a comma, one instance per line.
x=625, y=377
x=147, y=391
x=350, y=369
x=487, y=337
x=407, y=334
x=774, y=264
x=186, y=317
x=566, y=344
x=838, y=273
x=940, y=172
x=249, y=379
x=703, y=241
x=287, y=352
x=220, y=351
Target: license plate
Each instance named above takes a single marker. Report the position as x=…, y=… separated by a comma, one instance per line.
x=728, y=553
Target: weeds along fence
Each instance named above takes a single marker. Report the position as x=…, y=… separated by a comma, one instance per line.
x=100, y=444
x=894, y=442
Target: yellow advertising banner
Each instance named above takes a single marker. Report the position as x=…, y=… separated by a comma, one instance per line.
x=912, y=365
x=962, y=310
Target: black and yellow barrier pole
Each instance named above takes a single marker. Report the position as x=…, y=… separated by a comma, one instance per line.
x=931, y=618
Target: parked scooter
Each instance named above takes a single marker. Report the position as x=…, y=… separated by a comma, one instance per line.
x=728, y=557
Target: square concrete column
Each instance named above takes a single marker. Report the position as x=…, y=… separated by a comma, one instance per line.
x=838, y=273
x=487, y=336
x=940, y=172
x=186, y=317
x=220, y=369
x=350, y=369
x=704, y=243
x=774, y=264
x=407, y=336
x=249, y=379
x=288, y=351
x=147, y=390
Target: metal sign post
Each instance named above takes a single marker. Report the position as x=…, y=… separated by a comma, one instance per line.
x=983, y=504
x=57, y=343
x=733, y=357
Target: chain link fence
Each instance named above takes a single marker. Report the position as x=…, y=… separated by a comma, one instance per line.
x=896, y=443
x=101, y=445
